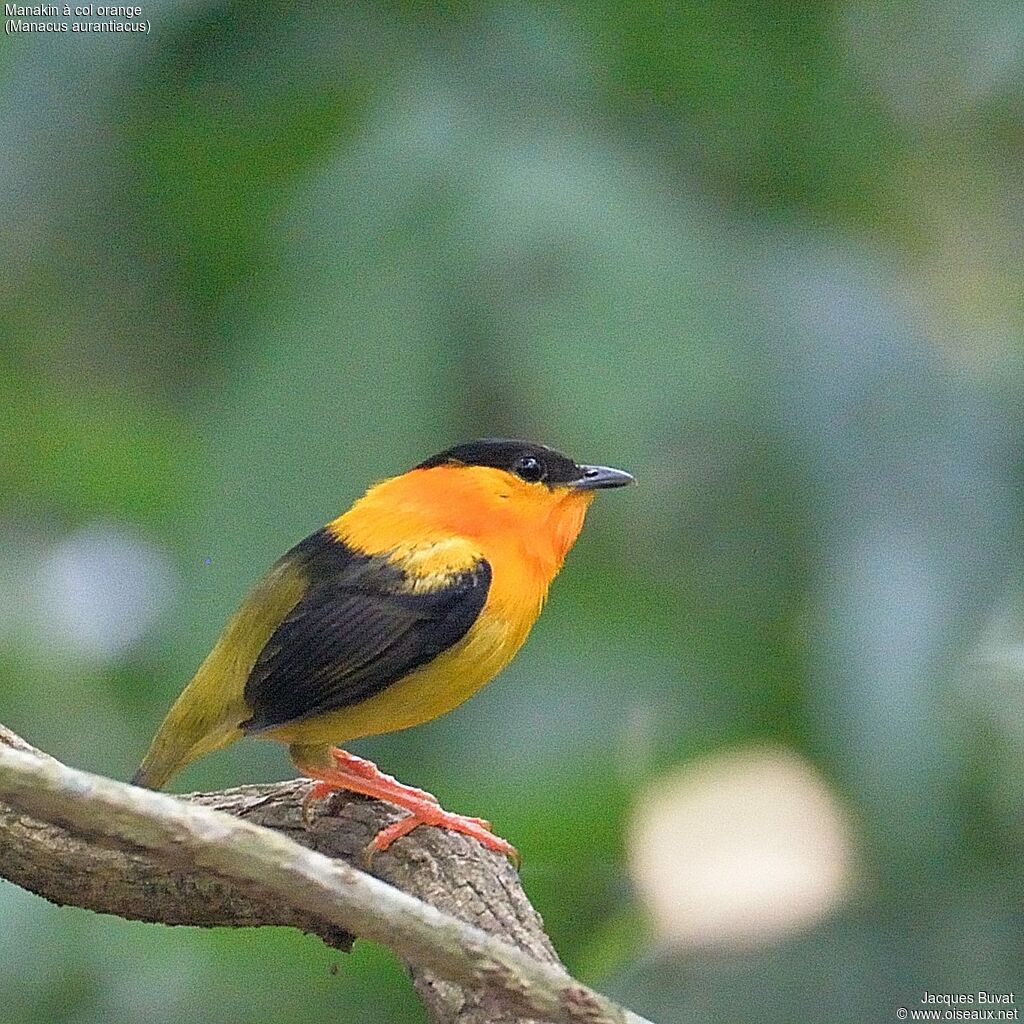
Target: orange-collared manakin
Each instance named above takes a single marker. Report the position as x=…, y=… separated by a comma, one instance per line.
x=394, y=613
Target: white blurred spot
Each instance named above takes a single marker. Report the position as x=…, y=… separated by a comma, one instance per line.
x=96, y=592
x=740, y=848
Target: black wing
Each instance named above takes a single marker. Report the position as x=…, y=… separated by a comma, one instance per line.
x=356, y=630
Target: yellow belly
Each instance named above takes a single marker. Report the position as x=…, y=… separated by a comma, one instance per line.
x=433, y=690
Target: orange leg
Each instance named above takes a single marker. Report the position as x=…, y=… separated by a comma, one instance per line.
x=360, y=776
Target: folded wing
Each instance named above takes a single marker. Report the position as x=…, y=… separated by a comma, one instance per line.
x=359, y=627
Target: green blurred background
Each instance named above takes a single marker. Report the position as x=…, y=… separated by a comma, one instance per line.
x=764, y=753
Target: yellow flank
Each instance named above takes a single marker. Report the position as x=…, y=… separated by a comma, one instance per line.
x=208, y=713
x=430, y=691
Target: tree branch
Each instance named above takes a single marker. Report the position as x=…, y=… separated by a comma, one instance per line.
x=454, y=912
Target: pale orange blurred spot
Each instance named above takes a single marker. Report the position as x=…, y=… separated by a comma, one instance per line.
x=739, y=848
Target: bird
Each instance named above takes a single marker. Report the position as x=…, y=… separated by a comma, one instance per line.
x=390, y=615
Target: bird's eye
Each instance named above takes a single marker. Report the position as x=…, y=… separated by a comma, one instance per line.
x=529, y=469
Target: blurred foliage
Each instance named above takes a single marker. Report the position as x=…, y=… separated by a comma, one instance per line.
x=764, y=255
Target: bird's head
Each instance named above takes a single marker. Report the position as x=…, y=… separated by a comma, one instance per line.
x=522, y=489
x=513, y=499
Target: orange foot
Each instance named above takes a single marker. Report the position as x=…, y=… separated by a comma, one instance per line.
x=361, y=776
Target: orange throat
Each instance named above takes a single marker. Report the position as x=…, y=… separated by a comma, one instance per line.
x=525, y=528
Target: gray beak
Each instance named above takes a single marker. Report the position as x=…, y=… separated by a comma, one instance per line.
x=598, y=477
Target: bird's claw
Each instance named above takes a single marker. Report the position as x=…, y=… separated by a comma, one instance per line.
x=476, y=828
